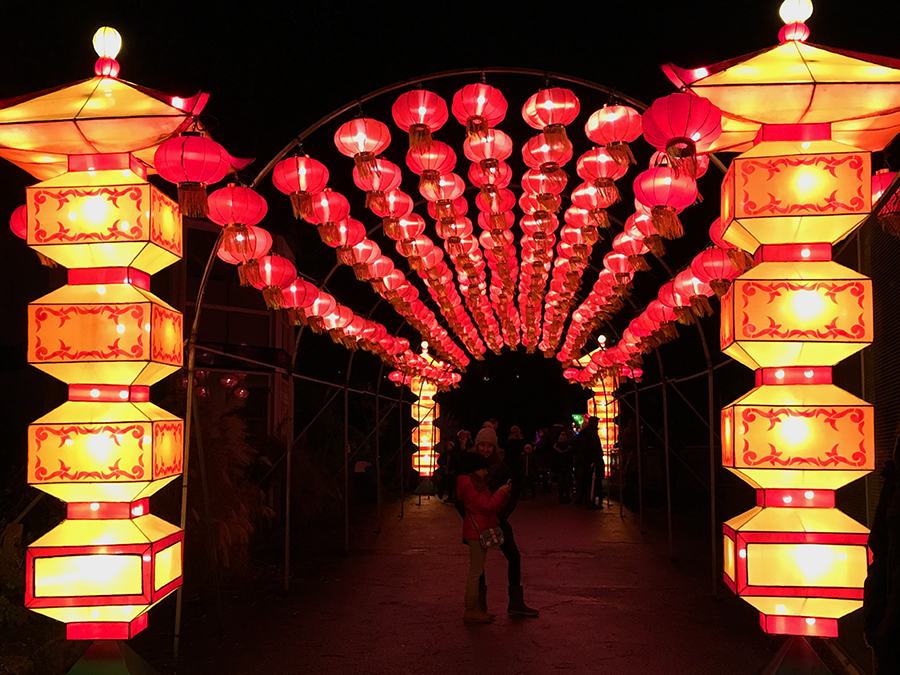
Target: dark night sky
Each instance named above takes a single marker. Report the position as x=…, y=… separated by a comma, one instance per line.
x=273, y=69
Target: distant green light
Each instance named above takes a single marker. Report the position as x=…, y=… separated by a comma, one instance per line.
x=578, y=420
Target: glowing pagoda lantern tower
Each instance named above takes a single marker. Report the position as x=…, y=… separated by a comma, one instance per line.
x=425, y=411
x=603, y=406
x=107, y=449
x=802, y=184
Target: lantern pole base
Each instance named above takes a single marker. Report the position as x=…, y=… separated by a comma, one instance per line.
x=111, y=657
x=796, y=657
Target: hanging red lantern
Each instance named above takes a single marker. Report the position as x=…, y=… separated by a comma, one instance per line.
x=430, y=162
x=499, y=176
x=301, y=178
x=377, y=270
x=598, y=168
x=633, y=249
x=539, y=153
x=275, y=273
x=460, y=207
x=529, y=203
x=258, y=244
x=362, y=139
x=478, y=107
x=664, y=316
x=889, y=216
x=321, y=307
x=235, y=208
x=740, y=258
x=696, y=291
x=342, y=233
x=667, y=194
x=545, y=187
x=421, y=113
x=660, y=158
x=614, y=127
x=551, y=110
x=193, y=162
x=448, y=187
x=297, y=297
x=676, y=302
x=618, y=264
x=641, y=226
x=588, y=198
x=682, y=124
x=359, y=256
x=383, y=178
x=328, y=207
x=714, y=267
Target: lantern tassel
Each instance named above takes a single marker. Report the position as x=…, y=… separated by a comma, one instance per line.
x=274, y=297
x=665, y=220
x=621, y=153
x=601, y=217
x=366, y=164
x=444, y=209
x=236, y=240
x=419, y=137
x=655, y=243
x=477, y=127
x=639, y=263
x=669, y=329
x=361, y=270
x=248, y=273
x=890, y=223
x=682, y=156
x=608, y=192
x=548, y=202
x=301, y=204
x=700, y=306
x=429, y=179
x=192, y=200
x=45, y=261
x=720, y=287
x=555, y=135
x=376, y=201
x=741, y=260
x=684, y=315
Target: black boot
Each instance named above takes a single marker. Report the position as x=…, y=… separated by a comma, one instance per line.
x=482, y=597
x=517, y=603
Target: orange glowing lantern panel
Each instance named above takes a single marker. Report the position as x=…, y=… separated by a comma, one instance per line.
x=104, y=334
x=797, y=314
x=104, y=217
x=819, y=197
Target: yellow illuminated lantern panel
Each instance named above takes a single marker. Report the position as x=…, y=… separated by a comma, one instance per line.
x=790, y=314
x=797, y=198
x=104, y=334
x=104, y=218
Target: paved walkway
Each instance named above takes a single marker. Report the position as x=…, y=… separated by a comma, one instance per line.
x=610, y=602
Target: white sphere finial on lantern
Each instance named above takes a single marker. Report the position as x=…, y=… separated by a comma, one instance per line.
x=795, y=11
x=107, y=42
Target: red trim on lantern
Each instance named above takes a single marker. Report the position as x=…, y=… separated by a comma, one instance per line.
x=100, y=630
x=820, y=499
x=793, y=132
x=108, y=162
x=836, y=538
x=793, y=253
x=109, y=275
x=794, y=375
x=798, y=625
x=109, y=393
x=107, y=510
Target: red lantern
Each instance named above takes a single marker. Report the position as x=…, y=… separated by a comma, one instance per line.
x=695, y=290
x=551, y=110
x=665, y=317
x=460, y=207
x=235, y=207
x=598, y=168
x=406, y=227
x=545, y=187
x=479, y=107
x=614, y=127
x=301, y=178
x=667, y=193
x=322, y=306
x=448, y=187
x=660, y=158
x=681, y=124
x=429, y=163
x=342, y=233
x=669, y=297
x=328, y=207
x=889, y=216
x=588, y=198
x=421, y=113
x=257, y=245
x=385, y=177
x=539, y=153
x=633, y=249
x=713, y=266
x=500, y=175
x=192, y=162
x=396, y=205
x=618, y=264
x=297, y=297
x=640, y=226
x=360, y=256
x=275, y=272
x=362, y=139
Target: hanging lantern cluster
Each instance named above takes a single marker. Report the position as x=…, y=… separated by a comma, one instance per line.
x=889, y=216
x=614, y=127
x=425, y=411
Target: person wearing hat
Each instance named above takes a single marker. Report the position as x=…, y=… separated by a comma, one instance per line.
x=480, y=508
x=499, y=474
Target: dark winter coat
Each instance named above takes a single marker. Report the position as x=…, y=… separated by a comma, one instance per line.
x=498, y=475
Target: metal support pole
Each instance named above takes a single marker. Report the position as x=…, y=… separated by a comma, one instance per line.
x=289, y=441
x=400, y=460
x=665, y=399
x=637, y=424
x=713, y=525
x=347, y=455
x=378, y=446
